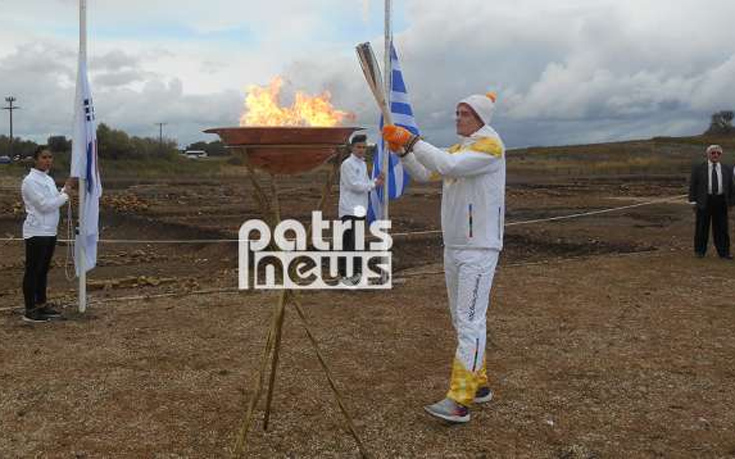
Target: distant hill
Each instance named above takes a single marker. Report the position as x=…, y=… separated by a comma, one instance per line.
x=659, y=155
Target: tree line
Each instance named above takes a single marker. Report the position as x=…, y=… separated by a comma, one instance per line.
x=117, y=144
x=721, y=123
x=112, y=144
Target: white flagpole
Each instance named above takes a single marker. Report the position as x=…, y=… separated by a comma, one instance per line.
x=81, y=255
x=387, y=119
x=388, y=81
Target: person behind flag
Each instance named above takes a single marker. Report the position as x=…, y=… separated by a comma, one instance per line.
x=354, y=187
x=42, y=202
x=472, y=216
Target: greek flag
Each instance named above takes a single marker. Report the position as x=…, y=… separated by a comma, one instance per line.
x=84, y=165
x=402, y=113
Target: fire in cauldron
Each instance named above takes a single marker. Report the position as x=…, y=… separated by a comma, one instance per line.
x=287, y=140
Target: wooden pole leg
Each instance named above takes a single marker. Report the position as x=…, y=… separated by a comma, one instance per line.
x=247, y=423
x=275, y=333
x=280, y=315
x=328, y=373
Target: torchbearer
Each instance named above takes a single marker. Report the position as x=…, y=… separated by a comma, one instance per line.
x=472, y=214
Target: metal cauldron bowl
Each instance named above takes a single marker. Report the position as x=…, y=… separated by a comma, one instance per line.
x=285, y=150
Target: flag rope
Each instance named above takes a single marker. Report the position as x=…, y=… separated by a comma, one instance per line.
x=69, y=260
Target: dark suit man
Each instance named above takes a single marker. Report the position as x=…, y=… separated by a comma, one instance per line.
x=711, y=193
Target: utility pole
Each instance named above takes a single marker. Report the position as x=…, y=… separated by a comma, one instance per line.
x=10, y=100
x=160, y=137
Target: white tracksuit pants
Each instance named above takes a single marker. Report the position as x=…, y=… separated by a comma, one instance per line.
x=469, y=275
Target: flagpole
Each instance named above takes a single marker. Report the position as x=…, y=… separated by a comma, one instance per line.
x=388, y=81
x=81, y=255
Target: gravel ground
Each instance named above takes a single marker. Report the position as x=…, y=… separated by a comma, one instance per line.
x=607, y=339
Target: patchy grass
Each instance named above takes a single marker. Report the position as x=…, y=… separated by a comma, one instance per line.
x=132, y=168
x=164, y=167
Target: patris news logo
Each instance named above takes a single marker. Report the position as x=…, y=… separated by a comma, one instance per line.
x=283, y=259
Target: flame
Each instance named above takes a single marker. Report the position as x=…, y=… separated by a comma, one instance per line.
x=262, y=108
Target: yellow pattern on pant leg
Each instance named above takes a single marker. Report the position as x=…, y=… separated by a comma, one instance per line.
x=463, y=384
x=482, y=375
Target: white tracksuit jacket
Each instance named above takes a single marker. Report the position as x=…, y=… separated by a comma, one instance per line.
x=473, y=195
x=42, y=201
x=354, y=187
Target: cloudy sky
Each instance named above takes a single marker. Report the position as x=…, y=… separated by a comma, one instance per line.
x=567, y=71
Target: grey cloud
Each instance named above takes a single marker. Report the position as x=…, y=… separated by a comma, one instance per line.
x=342, y=77
x=44, y=59
x=119, y=78
x=166, y=102
x=42, y=75
x=119, y=68
x=568, y=71
x=115, y=60
x=212, y=67
x=716, y=88
x=587, y=73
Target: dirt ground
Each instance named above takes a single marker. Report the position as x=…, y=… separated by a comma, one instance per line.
x=607, y=338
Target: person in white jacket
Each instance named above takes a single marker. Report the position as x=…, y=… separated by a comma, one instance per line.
x=472, y=218
x=355, y=186
x=42, y=202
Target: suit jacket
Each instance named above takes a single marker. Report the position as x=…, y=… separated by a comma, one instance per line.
x=699, y=183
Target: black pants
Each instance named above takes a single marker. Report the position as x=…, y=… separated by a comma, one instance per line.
x=348, y=245
x=716, y=212
x=39, y=250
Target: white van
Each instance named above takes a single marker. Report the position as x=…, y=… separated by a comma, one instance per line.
x=195, y=154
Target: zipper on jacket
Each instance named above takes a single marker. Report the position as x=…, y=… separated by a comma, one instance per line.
x=500, y=223
x=470, y=220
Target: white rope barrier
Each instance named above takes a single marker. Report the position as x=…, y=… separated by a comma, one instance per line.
x=397, y=278
x=597, y=212
x=405, y=275
x=403, y=234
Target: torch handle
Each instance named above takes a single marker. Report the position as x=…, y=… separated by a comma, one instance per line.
x=371, y=70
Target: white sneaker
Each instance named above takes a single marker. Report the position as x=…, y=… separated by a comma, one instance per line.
x=449, y=410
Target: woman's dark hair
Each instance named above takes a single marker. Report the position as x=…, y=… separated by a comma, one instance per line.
x=39, y=149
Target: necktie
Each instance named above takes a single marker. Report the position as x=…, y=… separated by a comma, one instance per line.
x=715, y=184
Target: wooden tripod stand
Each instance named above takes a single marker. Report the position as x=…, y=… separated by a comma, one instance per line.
x=273, y=338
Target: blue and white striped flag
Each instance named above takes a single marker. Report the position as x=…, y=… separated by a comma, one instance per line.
x=402, y=113
x=84, y=165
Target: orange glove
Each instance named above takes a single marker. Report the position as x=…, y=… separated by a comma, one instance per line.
x=394, y=147
x=396, y=136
